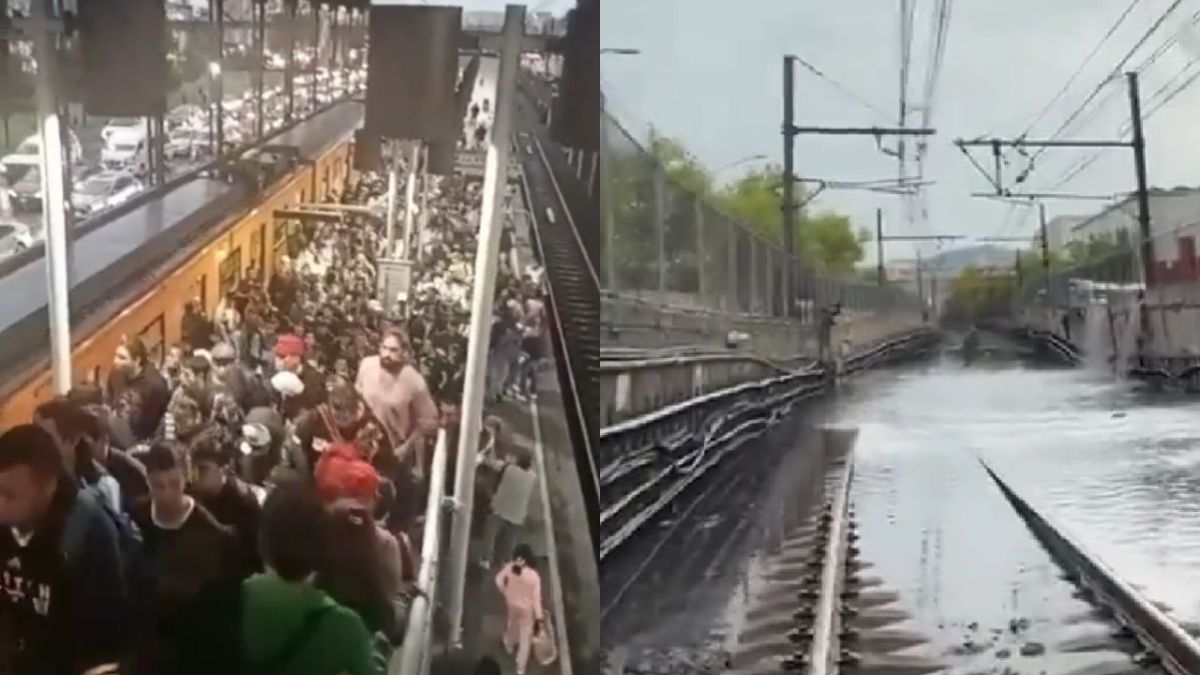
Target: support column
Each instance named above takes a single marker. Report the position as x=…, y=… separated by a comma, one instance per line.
x=660, y=226
x=410, y=197
x=54, y=213
x=491, y=221
x=701, y=254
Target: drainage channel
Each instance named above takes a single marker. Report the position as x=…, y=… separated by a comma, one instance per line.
x=822, y=610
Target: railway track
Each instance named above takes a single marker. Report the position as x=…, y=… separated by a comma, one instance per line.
x=823, y=614
x=561, y=208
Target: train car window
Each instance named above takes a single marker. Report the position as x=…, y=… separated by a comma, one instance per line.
x=154, y=337
x=230, y=272
x=256, y=245
x=200, y=293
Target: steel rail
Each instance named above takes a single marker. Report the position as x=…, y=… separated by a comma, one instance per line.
x=1178, y=652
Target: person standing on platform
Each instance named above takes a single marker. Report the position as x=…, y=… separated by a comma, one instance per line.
x=289, y=357
x=399, y=397
x=138, y=388
x=521, y=586
x=65, y=607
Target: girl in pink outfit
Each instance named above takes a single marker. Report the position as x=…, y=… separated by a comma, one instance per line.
x=521, y=586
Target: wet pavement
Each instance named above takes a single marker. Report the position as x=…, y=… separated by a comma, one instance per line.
x=963, y=582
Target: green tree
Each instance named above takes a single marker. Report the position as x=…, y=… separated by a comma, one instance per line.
x=826, y=239
x=976, y=294
x=682, y=168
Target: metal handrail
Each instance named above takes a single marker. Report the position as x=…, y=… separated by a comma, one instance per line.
x=416, y=651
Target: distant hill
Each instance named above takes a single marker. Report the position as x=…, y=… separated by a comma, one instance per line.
x=950, y=263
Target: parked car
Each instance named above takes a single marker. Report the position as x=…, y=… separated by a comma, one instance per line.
x=28, y=156
x=14, y=238
x=187, y=143
x=122, y=126
x=26, y=194
x=104, y=190
x=126, y=151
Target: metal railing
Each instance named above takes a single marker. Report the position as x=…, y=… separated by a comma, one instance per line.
x=667, y=244
x=416, y=651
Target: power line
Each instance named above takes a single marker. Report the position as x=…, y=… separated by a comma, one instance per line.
x=840, y=87
x=1079, y=71
x=1090, y=160
x=1162, y=18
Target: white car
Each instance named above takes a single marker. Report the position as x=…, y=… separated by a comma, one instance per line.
x=14, y=238
x=125, y=153
x=104, y=190
x=123, y=126
x=28, y=156
x=187, y=143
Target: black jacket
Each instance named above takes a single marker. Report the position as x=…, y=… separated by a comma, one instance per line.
x=51, y=592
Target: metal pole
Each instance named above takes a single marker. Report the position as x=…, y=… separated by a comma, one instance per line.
x=701, y=252
x=879, y=243
x=410, y=198
x=1045, y=249
x=660, y=226
x=607, y=207
x=219, y=81
x=289, y=68
x=160, y=161
x=393, y=179
x=316, y=51
x=495, y=184
x=423, y=223
x=1139, y=164
x=789, y=178
x=54, y=213
x=259, y=16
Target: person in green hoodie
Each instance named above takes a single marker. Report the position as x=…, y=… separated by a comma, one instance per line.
x=289, y=627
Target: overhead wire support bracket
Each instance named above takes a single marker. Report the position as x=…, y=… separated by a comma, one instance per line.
x=859, y=131
x=997, y=143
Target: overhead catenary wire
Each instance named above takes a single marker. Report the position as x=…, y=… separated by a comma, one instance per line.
x=840, y=87
x=1106, y=81
x=1088, y=161
x=1083, y=65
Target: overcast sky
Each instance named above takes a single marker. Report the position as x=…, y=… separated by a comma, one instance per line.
x=710, y=73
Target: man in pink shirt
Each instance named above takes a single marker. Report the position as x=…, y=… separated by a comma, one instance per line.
x=396, y=393
x=521, y=586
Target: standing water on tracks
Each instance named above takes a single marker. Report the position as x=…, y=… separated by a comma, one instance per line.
x=1120, y=469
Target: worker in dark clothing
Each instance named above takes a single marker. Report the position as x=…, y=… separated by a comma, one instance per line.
x=230, y=500
x=139, y=390
x=64, y=610
x=826, y=322
x=195, y=576
x=195, y=329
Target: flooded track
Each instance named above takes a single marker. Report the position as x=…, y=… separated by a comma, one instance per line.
x=958, y=583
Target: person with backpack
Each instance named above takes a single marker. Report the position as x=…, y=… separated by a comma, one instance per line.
x=65, y=607
x=288, y=626
x=195, y=576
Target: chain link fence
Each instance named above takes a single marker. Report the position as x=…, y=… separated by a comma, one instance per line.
x=665, y=244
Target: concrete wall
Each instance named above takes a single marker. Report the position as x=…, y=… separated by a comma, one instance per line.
x=773, y=344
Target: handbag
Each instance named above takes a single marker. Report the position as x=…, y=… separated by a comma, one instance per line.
x=545, y=647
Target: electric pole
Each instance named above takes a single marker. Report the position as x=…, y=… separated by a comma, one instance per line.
x=1143, y=194
x=1045, y=250
x=879, y=242
x=789, y=179
x=790, y=132
x=1137, y=144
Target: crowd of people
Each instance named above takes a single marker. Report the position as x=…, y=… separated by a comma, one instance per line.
x=251, y=499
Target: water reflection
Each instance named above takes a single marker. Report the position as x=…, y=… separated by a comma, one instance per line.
x=1119, y=467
